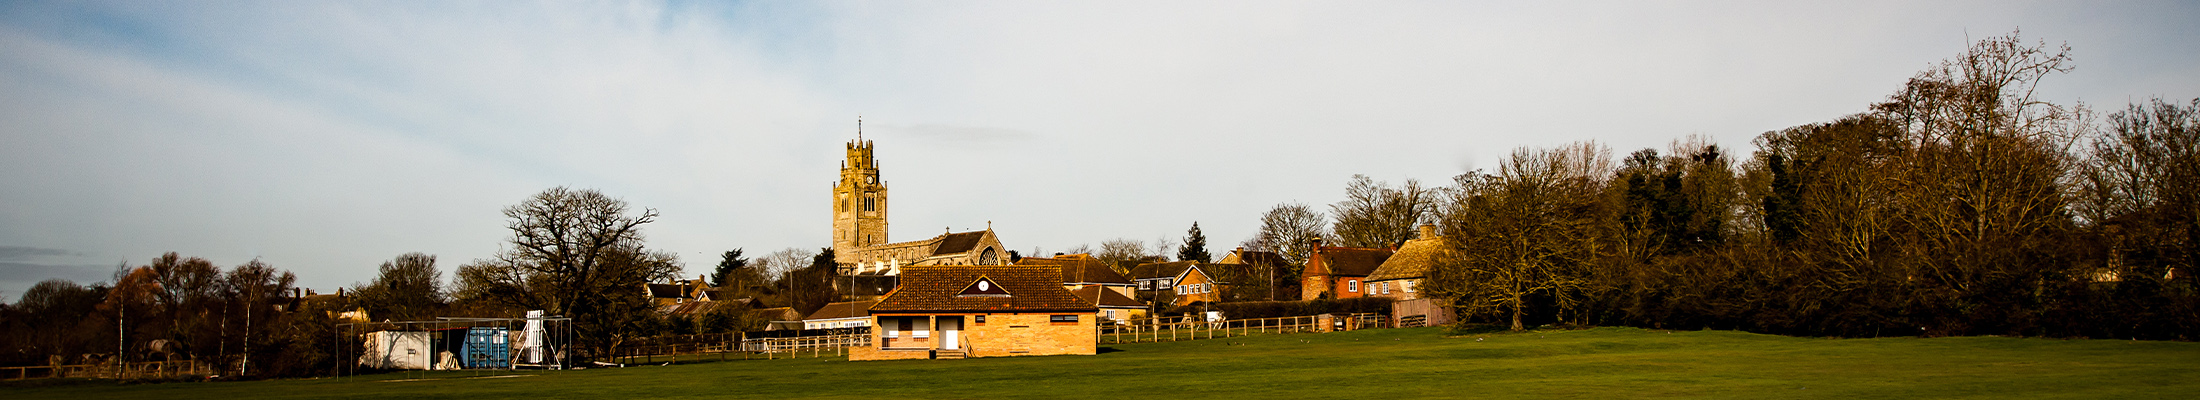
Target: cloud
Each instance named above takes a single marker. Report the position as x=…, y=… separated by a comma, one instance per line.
x=20, y=253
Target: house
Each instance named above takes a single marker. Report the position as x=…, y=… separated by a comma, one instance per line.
x=1194, y=285
x=979, y=311
x=1339, y=272
x=1157, y=280
x=1082, y=270
x=676, y=292
x=847, y=314
x=1114, y=306
x=1255, y=266
x=1401, y=276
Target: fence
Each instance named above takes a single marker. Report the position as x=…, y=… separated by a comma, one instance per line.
x=1192, y=328
x=730, y=345
x=136, y=370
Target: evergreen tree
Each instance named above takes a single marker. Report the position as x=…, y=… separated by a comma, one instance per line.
x=1195, y=246
x=728, y=265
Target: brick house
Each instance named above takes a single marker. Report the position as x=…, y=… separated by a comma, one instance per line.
x=1157, y=280
x=1194, y=285
x=979, y=311
x=1401, y=276
x=1339, y=272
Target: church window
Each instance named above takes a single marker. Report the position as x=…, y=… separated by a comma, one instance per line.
x=989, y=257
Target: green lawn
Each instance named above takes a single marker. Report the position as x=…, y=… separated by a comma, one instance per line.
x=1410, y=363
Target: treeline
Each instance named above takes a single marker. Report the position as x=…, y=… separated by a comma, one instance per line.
x=572, y=252
x=245, y=320
x=1961, y=205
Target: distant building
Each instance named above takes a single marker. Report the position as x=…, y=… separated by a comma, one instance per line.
x=1401, y=276
x=849, y=314
x=860, y=245
x=1339, y=272
x=979, y=311
x=1194, y=285
x=1080, y=271
x=1249, y=265
x=1114, y=306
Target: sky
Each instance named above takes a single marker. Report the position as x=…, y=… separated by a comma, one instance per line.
x=327, y=137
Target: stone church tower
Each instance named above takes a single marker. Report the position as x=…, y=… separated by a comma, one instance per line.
x=859, y=203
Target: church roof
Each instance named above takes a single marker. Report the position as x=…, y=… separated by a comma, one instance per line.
x=935, y=288
x=959, y=242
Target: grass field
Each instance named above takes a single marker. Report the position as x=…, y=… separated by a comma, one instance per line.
x=1409, y=363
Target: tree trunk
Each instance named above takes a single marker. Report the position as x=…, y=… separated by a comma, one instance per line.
x=1516, y=319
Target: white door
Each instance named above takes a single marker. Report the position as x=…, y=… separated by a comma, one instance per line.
x=951, y=328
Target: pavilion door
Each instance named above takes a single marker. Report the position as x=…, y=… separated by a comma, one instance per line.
x=951, y=333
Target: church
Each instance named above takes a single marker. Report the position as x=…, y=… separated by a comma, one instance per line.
x=861, y=246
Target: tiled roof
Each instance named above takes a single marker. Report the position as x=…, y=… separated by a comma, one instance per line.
x=1160, y=270
x=1106, y=298
x=933, y=288
x=666, y=291
x=1352, y=261
x=846, y=309
x=960, y=242
x=1412, y=260
x=1079, y=269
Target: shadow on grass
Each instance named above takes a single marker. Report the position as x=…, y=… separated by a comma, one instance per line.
x=1106, y=350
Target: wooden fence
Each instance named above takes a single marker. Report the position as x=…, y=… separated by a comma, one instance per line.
x=1192, y=328
x=136, y=370
x=729, y=346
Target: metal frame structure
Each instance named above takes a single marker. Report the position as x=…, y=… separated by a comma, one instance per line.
x=557, y=332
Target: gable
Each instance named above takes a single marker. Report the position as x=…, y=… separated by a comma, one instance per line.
x=983, y=287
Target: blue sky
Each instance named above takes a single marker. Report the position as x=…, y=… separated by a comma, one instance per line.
x=325, y=137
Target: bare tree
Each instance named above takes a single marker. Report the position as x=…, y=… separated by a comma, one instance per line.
x=1123, y=254
x=1529, y=230
x=1374, y=214
x=577, y=253
x=1289, y=229
x=406, y=288
x=778, y=264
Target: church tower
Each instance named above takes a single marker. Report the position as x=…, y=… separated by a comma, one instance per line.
x=859, y=202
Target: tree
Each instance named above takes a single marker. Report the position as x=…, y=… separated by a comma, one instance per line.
x=732, y=271
x=257, y=288
x=1122, y=254
x=1529, y=230
x=578, y=253
x=811, y=287
x=1195, y=246
x=1289, y=229
x=1376, y=215
x=406, y=288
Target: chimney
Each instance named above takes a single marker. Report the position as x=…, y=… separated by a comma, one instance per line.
x=1317, y=244
x=1428, y=231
